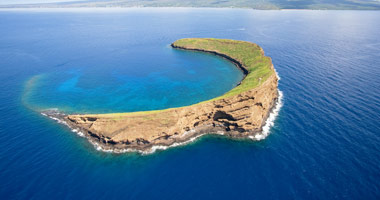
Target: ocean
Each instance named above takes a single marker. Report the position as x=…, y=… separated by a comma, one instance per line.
x=324, y=143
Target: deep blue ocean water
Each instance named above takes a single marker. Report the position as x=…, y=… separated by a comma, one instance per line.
x=325, y=143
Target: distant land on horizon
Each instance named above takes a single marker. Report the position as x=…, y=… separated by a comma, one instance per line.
x=254, y=4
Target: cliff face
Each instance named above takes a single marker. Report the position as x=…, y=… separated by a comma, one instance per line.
x=241, y=115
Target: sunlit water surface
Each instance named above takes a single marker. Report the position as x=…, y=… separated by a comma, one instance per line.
x=325, y=143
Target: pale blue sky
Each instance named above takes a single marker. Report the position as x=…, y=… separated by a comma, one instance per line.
x=4, y=2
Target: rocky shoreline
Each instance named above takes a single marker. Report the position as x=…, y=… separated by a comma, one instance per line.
x=240, y=116
x=191, y=135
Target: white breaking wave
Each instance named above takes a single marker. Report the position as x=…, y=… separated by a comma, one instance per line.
x=176, y=144
x=81, y=134
x=146, y=152
x=78, y=132
x=270, y=120
x=56, y=119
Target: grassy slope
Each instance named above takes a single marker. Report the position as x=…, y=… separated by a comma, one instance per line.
x=249, y=54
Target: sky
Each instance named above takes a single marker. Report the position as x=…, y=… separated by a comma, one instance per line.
x=5, y=2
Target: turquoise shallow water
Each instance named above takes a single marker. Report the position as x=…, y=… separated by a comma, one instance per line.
x=324, y=144
x=160, y=79
x=99, y=69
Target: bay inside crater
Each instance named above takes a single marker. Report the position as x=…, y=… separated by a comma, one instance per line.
x=147, y=78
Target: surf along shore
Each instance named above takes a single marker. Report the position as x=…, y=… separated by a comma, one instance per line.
x=240, y=113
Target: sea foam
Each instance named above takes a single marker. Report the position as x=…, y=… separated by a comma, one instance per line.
x=270, y=120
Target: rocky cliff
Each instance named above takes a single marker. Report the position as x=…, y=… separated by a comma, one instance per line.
x=240, y=115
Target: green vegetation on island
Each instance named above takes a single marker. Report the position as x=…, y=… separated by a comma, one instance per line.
x=249, y=55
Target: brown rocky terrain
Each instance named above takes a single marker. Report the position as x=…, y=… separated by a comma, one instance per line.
x=237, y=116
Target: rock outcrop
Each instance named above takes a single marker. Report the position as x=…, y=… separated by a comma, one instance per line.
x=237, y=116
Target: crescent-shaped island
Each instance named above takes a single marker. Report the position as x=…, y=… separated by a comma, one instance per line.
x=240, y=113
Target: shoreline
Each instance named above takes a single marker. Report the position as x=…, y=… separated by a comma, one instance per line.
x=209, y=116
x=269, y=123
